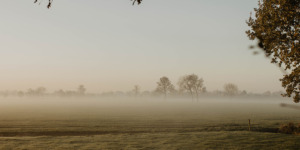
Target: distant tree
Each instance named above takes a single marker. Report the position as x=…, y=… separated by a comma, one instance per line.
x=20, y=93
x=204, y=90
x=267, y=93
x=40, y=91
x=187, y=83
x=199, y=88
x=192, y=84
x=81, y=89
x=164, y=86
x=30, y=92
x=51, y=1
x=136, y=90
x=60, y=92
x=276, y=27
x=37, y=92
x=244, y=92
x=231, y=89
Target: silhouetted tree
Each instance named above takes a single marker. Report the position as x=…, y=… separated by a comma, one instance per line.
x=40, y=91
x=198, y=88
x=51, y=1
x=37, y=92
x=191, y=83
x=136, y=90
x=244, y=92
x=30, y=92
x=164, y=86
x=81, y=90
x=276, y=27
x=187, y=83
x=231, y=89
x=60, y=93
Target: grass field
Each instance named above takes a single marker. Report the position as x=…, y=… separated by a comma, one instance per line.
x=140, y=123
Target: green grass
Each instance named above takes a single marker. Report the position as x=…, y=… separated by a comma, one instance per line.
x=144, y=124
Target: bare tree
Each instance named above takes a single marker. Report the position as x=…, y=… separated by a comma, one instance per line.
x=60, y=92
x=231, y=89
x=37, y=92
x=164, y=86
x=198, y=88
x=81, y=90
x=136, y=90
x=40, y=91
x=192, y=84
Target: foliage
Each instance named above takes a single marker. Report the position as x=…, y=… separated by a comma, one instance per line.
x=276, y=27
x=289, y=128
x=164, y=86
x=138, y=1
x=51, y=1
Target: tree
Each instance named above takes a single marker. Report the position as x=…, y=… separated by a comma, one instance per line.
x=60, y=92
x=41, y=90
x=138, y=1
x=192, y=84
x=37, y=92
x=187, y=83
x=244, y=92
x=136, y=90
x=231, y=89
x=164, y=86
x=51, y=1
x=81, y=90
x=276, y=27
x=198, y=88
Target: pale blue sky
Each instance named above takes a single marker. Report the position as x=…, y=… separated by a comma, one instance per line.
x=112, y=45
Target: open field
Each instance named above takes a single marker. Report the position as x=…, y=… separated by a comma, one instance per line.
x=141, y=123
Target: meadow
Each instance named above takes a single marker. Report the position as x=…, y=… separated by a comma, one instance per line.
x=145, y=123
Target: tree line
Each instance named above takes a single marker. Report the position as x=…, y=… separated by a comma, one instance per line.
x=191, y=86
x=276, y=27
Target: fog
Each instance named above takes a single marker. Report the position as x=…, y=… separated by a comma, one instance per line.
x=111, y=46
x=166, y=74
x=209, y=108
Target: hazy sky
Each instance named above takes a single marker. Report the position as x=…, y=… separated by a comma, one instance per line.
x=112, y=45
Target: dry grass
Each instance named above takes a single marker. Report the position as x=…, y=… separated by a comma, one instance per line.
x=146, y=125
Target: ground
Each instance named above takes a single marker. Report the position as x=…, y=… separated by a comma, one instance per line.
x=144, y=123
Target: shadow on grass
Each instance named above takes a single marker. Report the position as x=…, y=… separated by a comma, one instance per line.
x=241, y=127
x=266, y=129
x=142, y=130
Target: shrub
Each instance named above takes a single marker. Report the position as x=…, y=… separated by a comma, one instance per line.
x=289, y=128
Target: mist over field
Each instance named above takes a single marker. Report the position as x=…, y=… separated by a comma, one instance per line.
x=143, y=109
x=47, y=108
x=149, y=74
x=136, y=123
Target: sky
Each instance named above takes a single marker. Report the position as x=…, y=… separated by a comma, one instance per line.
x=112, y=45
